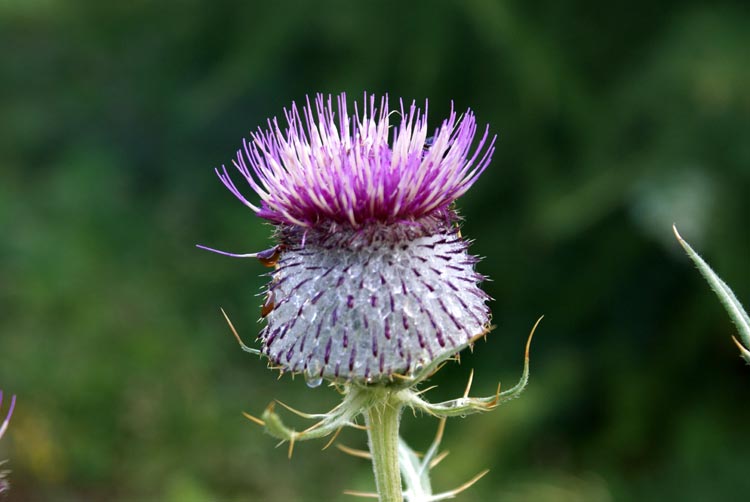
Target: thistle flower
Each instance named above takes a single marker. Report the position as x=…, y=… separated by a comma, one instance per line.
x=372, y=279
x=3, y=427
x=372, y=276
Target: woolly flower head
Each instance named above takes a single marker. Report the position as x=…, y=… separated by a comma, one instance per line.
x=371, y=275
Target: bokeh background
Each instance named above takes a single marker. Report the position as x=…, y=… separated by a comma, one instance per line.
x=614, y=121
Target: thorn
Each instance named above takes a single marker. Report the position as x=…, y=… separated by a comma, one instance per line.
x=429, y=457
x=291, y=446
x=312, y=427
x=531, y=335
x=237, y=336
x=676, y=233
x=231, y=326
x=368, y=495
x=354, y=452
x=254, y=419
x=335, y=435
x=400, y=376
x=468, y=385
x=296, y=412
x=435, y=461
x=336, y=407
x=359, y=427
x=482, y=334
x=440, y=366
x=440, y=430
x=494, y=402
x=468, y=484
x=739, y=345
x=427, y=389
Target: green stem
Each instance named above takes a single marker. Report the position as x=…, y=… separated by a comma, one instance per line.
x=382, y=419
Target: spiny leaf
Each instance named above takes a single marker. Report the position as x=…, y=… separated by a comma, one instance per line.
x=726, y=297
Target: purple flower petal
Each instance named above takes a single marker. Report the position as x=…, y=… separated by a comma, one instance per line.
x=327, y=166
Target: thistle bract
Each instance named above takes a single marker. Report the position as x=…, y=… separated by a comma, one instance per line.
x=372, y=277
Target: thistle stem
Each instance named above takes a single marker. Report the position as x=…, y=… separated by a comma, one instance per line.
x=382, y=419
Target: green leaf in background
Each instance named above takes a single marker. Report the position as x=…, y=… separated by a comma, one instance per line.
x=726, y=296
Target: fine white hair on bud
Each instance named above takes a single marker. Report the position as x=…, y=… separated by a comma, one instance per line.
x=372, y=277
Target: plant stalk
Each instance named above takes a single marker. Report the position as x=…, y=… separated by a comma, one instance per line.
x=382, y=419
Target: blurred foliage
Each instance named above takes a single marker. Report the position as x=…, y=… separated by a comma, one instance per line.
x=615, y=120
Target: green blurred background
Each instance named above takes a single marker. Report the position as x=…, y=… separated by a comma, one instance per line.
x=614, y=120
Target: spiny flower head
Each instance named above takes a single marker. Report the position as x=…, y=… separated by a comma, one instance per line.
x=372, y=277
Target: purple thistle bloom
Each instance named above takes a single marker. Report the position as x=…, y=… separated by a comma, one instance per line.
x=372, y=276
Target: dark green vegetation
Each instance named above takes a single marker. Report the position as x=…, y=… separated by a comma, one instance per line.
x=614, y=120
